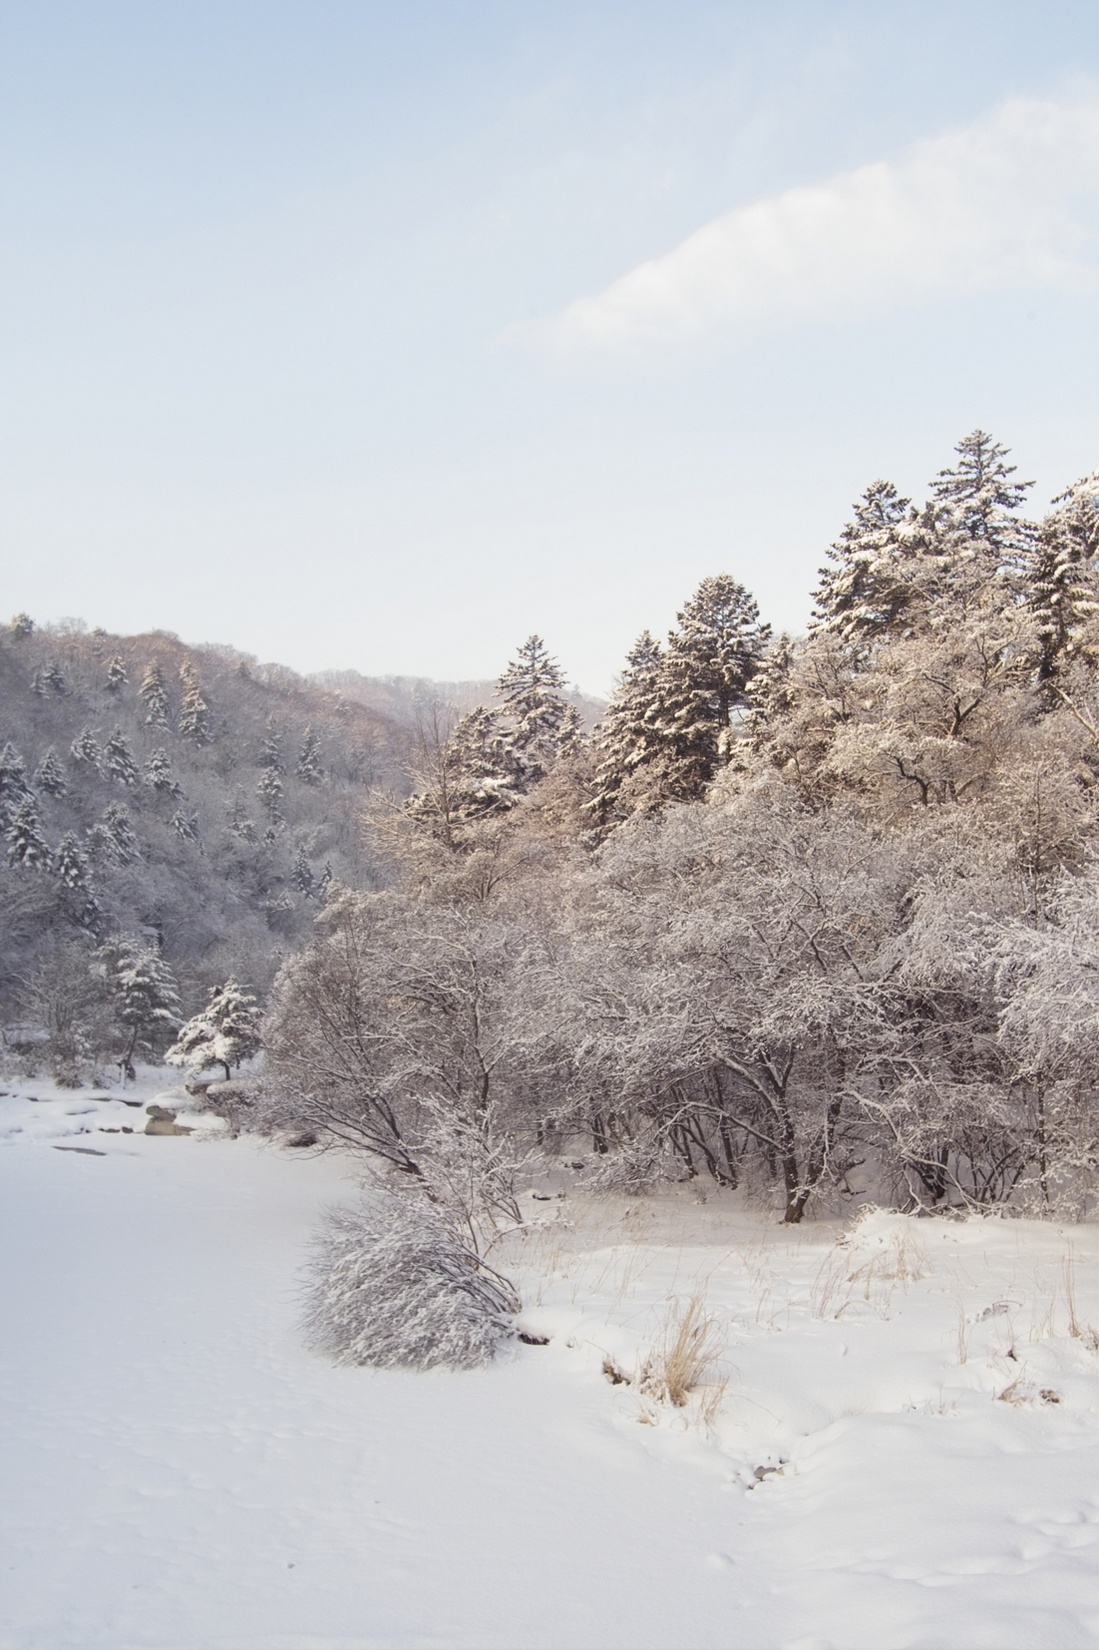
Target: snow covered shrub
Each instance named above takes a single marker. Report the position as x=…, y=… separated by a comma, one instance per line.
x=392, y=1285
x=635, y=1168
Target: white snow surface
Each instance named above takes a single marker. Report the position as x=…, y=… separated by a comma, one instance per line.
x=178, y=1472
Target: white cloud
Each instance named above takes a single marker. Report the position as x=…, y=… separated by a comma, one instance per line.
x=996, y=204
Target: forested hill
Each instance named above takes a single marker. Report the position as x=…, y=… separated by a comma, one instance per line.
x=185, y=794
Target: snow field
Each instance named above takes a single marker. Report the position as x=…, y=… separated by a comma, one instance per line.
x=180, y=1473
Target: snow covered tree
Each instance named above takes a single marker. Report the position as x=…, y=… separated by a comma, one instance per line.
x=270, y=755
x=26, y=845
x=118, y=761
x=121, y=841
x=117, y=676
x=22, y=625
x=194, y=712
x=710, y=660
x=866, y=593
x=78, y=898
x=980, y=496
x=154, y=694
x=13, y=779
x=309, y=769
x=158, y=774
x=534, y=709
x=50, y=678
x=325, y=882
x=627, y=740
x=49, y=776
x=86, y=748
x=145, y=994
x=1060, y=578
x=225, y=1033
x=185, y=826
x=269, y=791
x=302, y=874
x=468, y=776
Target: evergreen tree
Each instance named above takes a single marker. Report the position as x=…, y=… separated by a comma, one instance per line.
x=121, y=839
x=269, y=791
x=194, y=712
x=49, y=776
x=116, y=674
x=239, y=823
x=309, y=768
x=302, y=874
x=146, y=997
x=1060, y=578
x=867, y=592
x=26, y=845
x=118, y=760
x=325, y=882
x=158, y=774
x=86, y=748
x=627, y=738
x=155, y=696
x=185, y=826
x=78, y=899
x=710, y=661
x=224, y=1034
x=22, y=625
x=270, y=756
x=13, y=780
x=980, y=496
x=534, y=707
x=50, y=678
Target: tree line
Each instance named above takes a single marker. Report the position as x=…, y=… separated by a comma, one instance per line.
x=814, y=917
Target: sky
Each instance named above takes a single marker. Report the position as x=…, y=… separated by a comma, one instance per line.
x=378, y=336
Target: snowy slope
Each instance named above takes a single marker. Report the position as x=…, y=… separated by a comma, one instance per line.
x=179, y=1473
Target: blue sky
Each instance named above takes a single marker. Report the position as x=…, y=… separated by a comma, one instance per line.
x=380, y=335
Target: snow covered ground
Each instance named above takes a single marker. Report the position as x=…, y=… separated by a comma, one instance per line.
x=903, y=1454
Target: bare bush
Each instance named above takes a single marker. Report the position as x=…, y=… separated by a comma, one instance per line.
x=391, y=1284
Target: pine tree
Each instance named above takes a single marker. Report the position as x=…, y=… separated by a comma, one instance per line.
x=86, y=748
x=980, y=496
x=270, y=756
x=116, y=674
x=325, y=882
x=224, y=1034
x=867, y=592
x=710, y=661
x=627, y=738
x=146, y=997
x=534, y=708
x=50, y=678
x=155, y=696
x=118, y=760
x=302, y=874
x=1060, y=578
x=78, y=899
x=309, y=768
x=121, y=838
x=26, y=845
x=158, y=774
x=269, y=791
x=194, y=712
x=49, y=775
x=22, y=625
x=13, y=780
x=185, y=826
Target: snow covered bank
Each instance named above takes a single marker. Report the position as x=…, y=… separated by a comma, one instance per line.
x=179, y=1473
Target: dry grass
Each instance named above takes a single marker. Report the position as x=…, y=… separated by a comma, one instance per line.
x=678, y=1366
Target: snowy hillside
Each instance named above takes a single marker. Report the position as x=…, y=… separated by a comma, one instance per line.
x=892, y=1447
